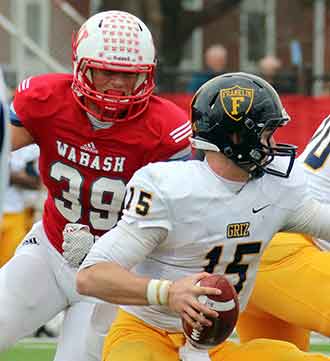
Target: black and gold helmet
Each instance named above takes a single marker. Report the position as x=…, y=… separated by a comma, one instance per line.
x=241, y=106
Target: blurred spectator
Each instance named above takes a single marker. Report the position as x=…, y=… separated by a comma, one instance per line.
x=326, y=89
x=270, y=68
x=215, y=58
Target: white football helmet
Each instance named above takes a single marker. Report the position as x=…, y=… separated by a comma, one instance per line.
x=120, y=42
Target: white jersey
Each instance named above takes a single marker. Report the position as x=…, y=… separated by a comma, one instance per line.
x=317, y=167
x=209, y=226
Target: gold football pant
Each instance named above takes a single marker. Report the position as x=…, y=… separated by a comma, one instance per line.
x=291, y=295
x=131, y=339
x=29, y=214
x=12, y=231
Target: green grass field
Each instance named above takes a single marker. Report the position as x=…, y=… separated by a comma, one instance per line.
x=30, y=350
x=36, y=350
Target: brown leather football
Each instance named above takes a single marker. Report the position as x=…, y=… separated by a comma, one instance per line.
x=227, y=307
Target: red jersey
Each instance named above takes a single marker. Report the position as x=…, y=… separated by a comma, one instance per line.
x=86, y=170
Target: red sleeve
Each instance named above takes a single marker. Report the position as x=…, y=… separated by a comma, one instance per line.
x=175, y=132
x=35, y=103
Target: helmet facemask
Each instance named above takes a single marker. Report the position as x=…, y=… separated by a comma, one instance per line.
x=112, y=105
x=255, y=151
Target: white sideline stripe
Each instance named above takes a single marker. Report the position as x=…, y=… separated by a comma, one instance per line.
x=51, y=342
x=38, y=346
x=35, y=340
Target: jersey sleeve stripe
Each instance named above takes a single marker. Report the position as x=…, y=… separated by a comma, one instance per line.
x=25, y=84
x=183, y=133
x=185, y=125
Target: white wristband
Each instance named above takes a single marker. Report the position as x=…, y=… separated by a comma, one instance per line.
x=157, y=292
x=163, y=291
x=152, y=292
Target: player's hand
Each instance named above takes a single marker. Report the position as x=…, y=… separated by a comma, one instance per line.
x=182, y=299
x=77, y=241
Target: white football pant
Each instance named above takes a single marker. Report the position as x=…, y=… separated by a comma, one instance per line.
x=37, y=284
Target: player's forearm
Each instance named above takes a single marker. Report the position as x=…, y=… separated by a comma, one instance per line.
x=112, y=283
x=24, y=180
x=20, y=137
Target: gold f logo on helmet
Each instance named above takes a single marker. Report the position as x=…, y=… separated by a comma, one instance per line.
x=236, y=101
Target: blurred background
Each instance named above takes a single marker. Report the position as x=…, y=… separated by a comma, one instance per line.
x=286, y=42
x=35, y=37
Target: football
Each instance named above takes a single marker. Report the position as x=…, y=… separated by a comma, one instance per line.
x=227, y=307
